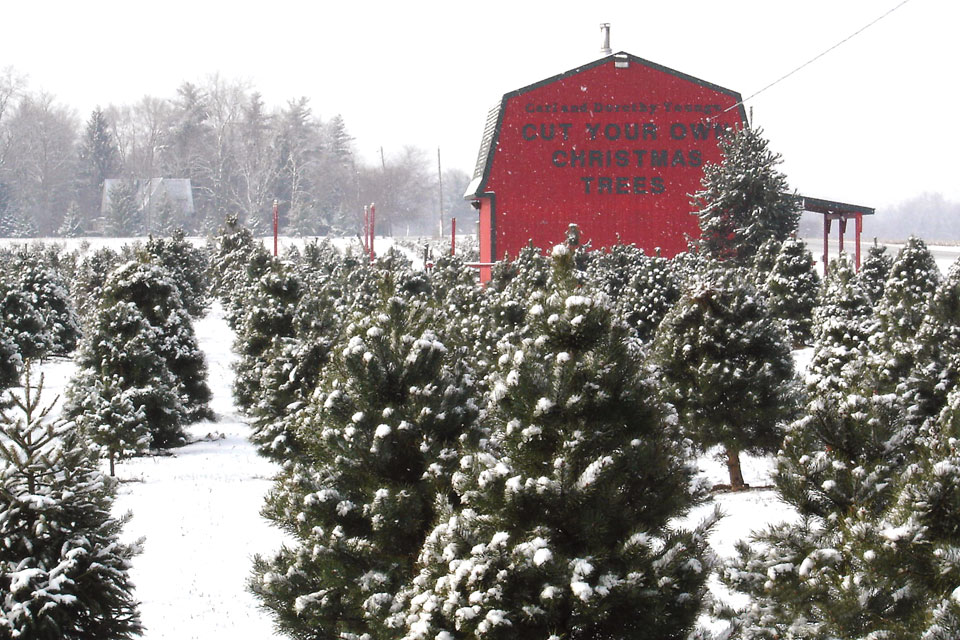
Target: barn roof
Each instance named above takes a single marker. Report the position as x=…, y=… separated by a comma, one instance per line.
x=491, y=130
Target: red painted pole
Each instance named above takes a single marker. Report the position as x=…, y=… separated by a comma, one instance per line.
x=276, y=225
x=453, y=236
x=859, y=220
x=373, y=222
x=366, y=227
x=826, y=242
x=843, y=228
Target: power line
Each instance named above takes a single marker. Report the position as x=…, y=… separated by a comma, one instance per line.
x=814, y=59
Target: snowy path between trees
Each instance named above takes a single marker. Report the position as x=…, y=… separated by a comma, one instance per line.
x=198, y=512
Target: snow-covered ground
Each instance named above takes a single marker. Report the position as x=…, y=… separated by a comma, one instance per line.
x=198, y=512
x=198, y=509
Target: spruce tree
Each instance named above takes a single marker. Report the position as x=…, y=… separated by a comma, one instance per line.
x=936, y=368
x=51, y=298
x=63, y=569
x=124, y=385
x=925, y=550
x=564, y=524
x=99, y=159
x=744, y=200
x=611, y=270
x=876, y=552
x=23, y=321
x=11, y=364
x=266, y=315
x=379, y=443
x=839, y=572
x=289, y=367
x=765, y=260
x=72, y=224
x=112, y=417
x=155, y=294
x=233, y=250
x=651, y=292
x=791, y=289
x=92, y=273
x=842, y=325
x=875, y=271
x=187, y=265
x=124, y=215
x=913, y=279
x=726, y=366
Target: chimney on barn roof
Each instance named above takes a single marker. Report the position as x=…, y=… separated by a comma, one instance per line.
x=605, y=30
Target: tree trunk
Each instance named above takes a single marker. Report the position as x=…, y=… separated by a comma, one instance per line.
x=733, y=466
x=111, y=464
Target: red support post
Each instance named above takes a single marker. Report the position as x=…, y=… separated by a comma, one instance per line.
x=453, y=236
x=859, y=223
x=373, y=222
x=276, y=225
x=826, y=243
x=843, y=228
x=366, y=227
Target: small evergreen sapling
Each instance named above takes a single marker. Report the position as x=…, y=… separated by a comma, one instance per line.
x=563, y=525
x=23, y=321
x=842, y=325
x=764, y=261
x=744, y=200
x=839, y=571
x=877, y=551
x=378, y=446
x=63, y=569
x=875, y=271
x=649, y=296
x=726, y=366
x=53, y=301
x=114, y=419
x=913, y=280
x=187, y=265
x=791, y=290
x=936, y=369
x=265, y=317
x=118, y=362
x=157, y=298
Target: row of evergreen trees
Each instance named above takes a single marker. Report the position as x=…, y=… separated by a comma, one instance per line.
x=141, y=378
x=489, y=462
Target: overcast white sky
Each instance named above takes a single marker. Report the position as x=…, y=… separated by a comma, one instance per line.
x=874, y=122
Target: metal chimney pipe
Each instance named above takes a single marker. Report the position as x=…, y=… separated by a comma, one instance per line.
x=605, y=30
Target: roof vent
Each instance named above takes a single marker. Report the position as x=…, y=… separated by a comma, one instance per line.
x=605, y=47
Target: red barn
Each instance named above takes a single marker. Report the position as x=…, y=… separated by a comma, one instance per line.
x=616, y=146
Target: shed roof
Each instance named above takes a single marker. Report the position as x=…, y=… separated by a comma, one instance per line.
x=819, y=205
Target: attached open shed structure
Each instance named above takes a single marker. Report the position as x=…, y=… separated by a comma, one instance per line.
x=841, y=213
x=616, y=146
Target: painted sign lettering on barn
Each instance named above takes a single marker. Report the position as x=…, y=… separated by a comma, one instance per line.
x=616, y=146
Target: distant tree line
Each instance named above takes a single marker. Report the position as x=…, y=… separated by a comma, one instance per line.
x=239, y=154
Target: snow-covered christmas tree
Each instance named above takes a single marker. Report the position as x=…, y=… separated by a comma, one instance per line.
x=726, y=366
x=562, y=527
x=64, y=573
x=379, y=444
x=744, y=200
x=791, y=289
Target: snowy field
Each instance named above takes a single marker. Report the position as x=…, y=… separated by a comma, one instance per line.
x=198, y=512
x=198, y=509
